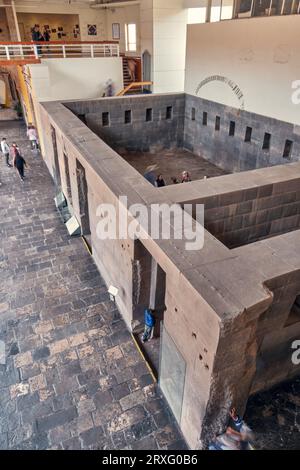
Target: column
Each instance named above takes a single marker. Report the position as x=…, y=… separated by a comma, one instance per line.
x=163, y=30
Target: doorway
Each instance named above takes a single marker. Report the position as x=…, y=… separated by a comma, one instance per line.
x=56, y=169
x=83, y=203
x=149, y=291
x=147, y=69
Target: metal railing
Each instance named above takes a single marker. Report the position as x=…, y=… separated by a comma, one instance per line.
x=53, y=49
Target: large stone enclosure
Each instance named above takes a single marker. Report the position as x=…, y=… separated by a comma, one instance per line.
x=229, y=312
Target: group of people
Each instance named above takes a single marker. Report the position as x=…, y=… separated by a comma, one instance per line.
x=159, y=182
x=12, y=153
x=18, y=162
x=38, y=36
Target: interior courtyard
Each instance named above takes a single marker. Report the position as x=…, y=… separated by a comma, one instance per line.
x=117, y=96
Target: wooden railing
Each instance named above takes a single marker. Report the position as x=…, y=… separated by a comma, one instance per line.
x=133, y=85
x=12, y=51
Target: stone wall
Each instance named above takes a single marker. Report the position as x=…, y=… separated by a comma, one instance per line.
x=232, y=153
x=251, y=215
x=107, y=119
x=216, y=299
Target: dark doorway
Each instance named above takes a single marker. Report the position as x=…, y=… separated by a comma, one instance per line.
x=83, y=201
x=149, y=291
x=68, y=179
x=56, y=169
x=147, y=69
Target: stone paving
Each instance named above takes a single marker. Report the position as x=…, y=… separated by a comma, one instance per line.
x=72, y=377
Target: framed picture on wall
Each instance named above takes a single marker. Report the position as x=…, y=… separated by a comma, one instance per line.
x=116, y=30
x=92, y=29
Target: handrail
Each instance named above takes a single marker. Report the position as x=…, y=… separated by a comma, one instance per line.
x=133, y=85
x=45, y=49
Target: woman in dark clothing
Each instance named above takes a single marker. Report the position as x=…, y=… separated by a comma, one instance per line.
x=160, y=182
x=19, y=164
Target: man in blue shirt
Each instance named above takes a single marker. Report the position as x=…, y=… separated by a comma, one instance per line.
x=149, y=325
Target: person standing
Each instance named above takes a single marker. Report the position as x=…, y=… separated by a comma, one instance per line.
x=37, y=36
x=46, y=35
x=149, y=325
x=5, y=151
x=32, y=135
x=160, y=182
x=47, y=38
x=186, y=178
x=19, y=164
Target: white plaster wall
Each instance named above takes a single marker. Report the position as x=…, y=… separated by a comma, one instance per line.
x=169, y=30
x=124, y=15
x=260, y=54
x=84, y=78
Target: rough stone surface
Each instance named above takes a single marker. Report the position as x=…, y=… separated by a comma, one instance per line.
x=60, y=385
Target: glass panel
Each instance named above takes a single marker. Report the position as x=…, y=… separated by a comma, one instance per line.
x=275, y=7
x=287, y=7
x=261, y=7
x=244, y=9
x=197, y=15
x=172, y=374
x=215, y=12
x=227, y=10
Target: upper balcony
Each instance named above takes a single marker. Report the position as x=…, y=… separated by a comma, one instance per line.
x=19, y=53
x=209, y=11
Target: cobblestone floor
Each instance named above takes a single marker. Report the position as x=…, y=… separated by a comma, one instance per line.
x=73, y=378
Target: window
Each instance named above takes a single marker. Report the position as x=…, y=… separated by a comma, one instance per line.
x=232, y=128
x=287, y=153
x=105, y=119
x=267, y=141
x=197, y=15
x=248, y=134
x=193, y=114
x=204, y=119
x=169, y=113
x=149, y=114
x=128, y=117
x=130, y=37
x=218, y=123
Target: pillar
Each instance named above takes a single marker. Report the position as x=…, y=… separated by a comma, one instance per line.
x=12, y=21
x=163, y=35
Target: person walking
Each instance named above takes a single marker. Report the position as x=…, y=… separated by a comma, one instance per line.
x=19, y=164
x=149, y=325
x=5, y=151
x=32, y=135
